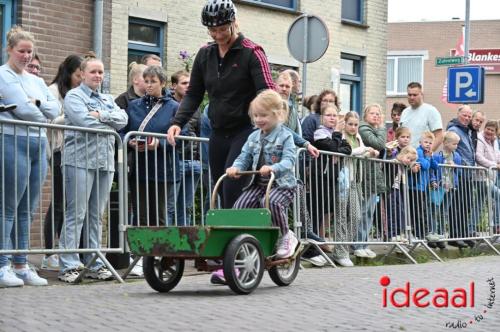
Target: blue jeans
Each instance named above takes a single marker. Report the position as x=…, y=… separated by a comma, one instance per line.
x=190, y=178
x=151, y=212
x=23, y=168
x=368, y=205
x=478, y=201
x=439, y=214
x=87, y=194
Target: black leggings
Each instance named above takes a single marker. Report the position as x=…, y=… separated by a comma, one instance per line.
x=56, y=204
x=223, y=150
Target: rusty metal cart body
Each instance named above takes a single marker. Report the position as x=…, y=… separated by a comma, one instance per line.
x=241, y=241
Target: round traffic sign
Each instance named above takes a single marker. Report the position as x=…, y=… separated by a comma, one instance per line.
x=308, y=38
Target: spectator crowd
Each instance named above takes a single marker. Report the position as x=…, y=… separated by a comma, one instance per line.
x=408, y=177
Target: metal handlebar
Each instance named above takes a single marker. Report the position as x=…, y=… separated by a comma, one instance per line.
x=219, y=181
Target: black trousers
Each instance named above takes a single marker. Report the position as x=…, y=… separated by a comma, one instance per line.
x=223, y=149
x=51, y=229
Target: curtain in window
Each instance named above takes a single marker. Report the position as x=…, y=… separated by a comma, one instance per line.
x=409, y=70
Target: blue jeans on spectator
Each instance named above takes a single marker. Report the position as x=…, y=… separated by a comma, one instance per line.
x=479, y=200
x=437, y=225
x=368, y=205
x=190, y=178
x=87, y=194
x=152, y=212
x=23, y=168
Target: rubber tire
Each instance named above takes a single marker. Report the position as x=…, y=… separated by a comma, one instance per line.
x=149, y=267
x=232, y=250
x=285, y=281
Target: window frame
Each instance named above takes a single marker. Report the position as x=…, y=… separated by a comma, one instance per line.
x=143, y=48
x=261, y=3
x=423, y=55
x=361, y=22
x=9, y=7
x=355, y=80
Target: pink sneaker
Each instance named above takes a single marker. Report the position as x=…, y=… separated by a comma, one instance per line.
x=286, y=245
x=217, y=278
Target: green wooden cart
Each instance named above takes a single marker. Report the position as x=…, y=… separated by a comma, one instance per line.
x=241, y=242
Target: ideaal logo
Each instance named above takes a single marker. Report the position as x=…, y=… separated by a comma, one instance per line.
x=406, y=296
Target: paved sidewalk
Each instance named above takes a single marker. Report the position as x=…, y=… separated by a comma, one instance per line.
x=346, y=299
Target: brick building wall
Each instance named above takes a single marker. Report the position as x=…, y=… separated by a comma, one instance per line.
x=265, y=26
x=439, y=38
x=60, y=27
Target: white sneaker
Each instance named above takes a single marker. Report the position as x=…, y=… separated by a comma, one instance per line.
x=8, y=278
x=361, y=253
x=137, y=269
x=286, y=245
x=30, y=277
x=318, y=261
x=370, y=253
x=101, y=274
x=50, y=263
x=432, y=237
x=69, y=276
x=345, y=262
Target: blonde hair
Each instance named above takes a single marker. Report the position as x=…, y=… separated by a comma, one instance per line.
x=351, y=114
x=450, y=136
x=402, y=130
x=16, y=34
x=272, y=102
x=326, y=108
x=136, y=69
x=368, y=107
x=408, y=151
x=427, y=134
x=87, y=58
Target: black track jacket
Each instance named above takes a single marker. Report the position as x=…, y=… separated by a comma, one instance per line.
x=231, y=83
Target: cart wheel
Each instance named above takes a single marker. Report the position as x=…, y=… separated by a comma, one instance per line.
x=285, y=274
x=162, y=273
x=243, y=264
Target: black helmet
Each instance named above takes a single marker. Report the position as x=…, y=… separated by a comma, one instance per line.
x=217, y=13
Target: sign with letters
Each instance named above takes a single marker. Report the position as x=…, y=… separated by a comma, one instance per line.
x=466, y=85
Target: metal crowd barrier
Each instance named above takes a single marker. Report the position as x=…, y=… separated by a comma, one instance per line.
x=46, y=225
x=346, y=201
x=357, y=202
x=166, y=186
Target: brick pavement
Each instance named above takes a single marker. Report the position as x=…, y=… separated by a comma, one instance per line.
x=347, y=299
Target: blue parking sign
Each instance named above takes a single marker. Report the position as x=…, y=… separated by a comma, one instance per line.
x=466, y=85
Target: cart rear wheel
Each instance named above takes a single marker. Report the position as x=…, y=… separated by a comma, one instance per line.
x=285, y=274
x=243, y=264
x=162, y=273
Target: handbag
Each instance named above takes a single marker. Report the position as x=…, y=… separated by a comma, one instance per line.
x=437, y=196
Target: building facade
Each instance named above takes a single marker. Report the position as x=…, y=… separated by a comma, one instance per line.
x=354, y=64
x=124, y=30
x=413, y=47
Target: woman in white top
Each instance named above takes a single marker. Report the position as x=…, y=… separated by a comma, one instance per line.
x=23, y=165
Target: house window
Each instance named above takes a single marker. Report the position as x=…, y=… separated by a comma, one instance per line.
x=144, y=37
x=352, y=11
x=6, y=13
x=351, y=73
x=402, y=70
x=291, y=5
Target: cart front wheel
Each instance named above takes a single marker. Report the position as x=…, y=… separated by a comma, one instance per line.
x=243, y=264
x=285, y=274
x=162, y=273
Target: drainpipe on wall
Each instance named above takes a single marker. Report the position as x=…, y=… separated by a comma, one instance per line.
x=98, y=32
x=98, y=23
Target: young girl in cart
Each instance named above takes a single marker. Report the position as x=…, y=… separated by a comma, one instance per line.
x=269, y=149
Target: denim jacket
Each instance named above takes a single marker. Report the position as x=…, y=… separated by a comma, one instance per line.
x=91, y=151
x=279, y=153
